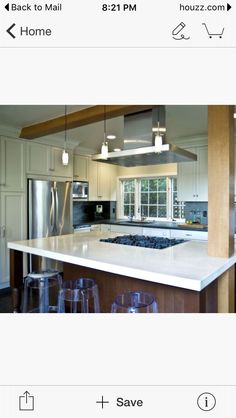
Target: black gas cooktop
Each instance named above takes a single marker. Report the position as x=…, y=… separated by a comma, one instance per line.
x=144, y=241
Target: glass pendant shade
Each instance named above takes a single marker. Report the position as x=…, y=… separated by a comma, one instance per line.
x=104, y=150
x=65, y=157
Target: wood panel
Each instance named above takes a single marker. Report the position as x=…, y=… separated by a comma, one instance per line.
x=221, y=181
x=170, y=299
x=226, y=292
x=79, y=118
x=221, y=196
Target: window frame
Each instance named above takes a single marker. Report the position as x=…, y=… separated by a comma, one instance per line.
x=137, y=199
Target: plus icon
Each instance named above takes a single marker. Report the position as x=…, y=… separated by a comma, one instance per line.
x=102, y=402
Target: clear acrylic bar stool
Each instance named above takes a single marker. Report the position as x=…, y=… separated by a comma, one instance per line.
x=41, y=292
x=134, y=302
x=79, y=296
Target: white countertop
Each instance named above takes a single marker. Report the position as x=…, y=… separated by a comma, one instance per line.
x=186, y=265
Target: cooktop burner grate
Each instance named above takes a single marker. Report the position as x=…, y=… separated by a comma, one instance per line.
x=144, y=241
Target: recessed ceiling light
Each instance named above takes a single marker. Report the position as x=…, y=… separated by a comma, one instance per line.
x=116, y=149
x=111, y=137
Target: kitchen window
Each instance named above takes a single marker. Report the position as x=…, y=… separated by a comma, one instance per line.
x=152, y=198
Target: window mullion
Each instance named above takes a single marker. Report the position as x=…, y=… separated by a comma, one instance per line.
x=137, y=197
x=169, y=198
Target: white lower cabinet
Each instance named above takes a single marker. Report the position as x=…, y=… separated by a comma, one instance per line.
x=194, y=235
x=105, y=228
x=96, y=227
x=157, y=232
x=12, y=228
x=127, y=229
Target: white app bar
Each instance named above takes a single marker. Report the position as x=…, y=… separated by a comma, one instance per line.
x=117, y=401
x=122, y=24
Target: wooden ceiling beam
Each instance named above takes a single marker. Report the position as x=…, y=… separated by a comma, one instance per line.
x=80, y=118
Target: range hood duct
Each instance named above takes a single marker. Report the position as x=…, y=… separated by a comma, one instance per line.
x=138, y=147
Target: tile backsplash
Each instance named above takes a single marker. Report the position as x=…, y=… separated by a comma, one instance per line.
x=84, y=212
x=196, y=211
x=201, y=211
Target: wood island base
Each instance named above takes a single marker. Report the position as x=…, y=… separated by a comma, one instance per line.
x=170, y=299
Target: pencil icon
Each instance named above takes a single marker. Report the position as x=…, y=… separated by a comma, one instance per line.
x=178, y=29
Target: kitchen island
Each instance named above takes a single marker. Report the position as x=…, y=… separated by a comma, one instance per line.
x=183, y=278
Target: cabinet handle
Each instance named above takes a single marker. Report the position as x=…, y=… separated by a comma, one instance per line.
x=51, y=169
x=188, y=235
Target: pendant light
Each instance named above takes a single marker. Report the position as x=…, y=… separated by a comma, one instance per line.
x=158, y=139
x=65, y=154
x=104, y=149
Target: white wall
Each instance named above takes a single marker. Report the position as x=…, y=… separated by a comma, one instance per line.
x=152, y=170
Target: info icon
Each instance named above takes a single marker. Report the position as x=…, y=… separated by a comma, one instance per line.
x=206, y=401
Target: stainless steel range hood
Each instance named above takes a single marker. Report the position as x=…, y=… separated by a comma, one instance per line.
x=140, y=131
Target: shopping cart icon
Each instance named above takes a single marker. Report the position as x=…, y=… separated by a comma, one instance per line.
x=213, y=34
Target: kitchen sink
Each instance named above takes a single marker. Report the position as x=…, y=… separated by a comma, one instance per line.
x=136, y=222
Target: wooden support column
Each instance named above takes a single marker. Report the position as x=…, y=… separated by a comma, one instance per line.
x=221, y=196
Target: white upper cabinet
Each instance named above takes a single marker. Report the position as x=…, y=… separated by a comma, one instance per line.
x=38, y=159
x=102, y=181
x=12, y=165
x=193, y=177
x=80, y=167
x=46, y=160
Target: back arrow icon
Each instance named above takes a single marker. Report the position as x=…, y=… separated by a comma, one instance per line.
x=9, y=30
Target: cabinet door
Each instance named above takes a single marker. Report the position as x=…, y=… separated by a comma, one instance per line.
x=93, y=180
x=104, y=189
x=102, y=181
x=80, y=167
x=39, y=159
x=113, y=182
x=187, y=180
x=189, y=235
x=12, y=228
x=202, y=175
x=12, y=169
x=105, y=228
x=57, y=168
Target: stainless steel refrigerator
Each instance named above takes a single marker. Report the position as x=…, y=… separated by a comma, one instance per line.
x=49, y=214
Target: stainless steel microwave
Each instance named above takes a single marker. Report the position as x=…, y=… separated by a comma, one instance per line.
x=80, y=190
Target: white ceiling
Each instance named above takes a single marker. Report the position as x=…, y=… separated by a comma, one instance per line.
x=181, y=122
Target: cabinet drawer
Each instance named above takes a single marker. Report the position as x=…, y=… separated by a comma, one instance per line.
x=105, y=228
x=156, y=232
x=127, y=229
x=189, y=234
x=96, y=227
